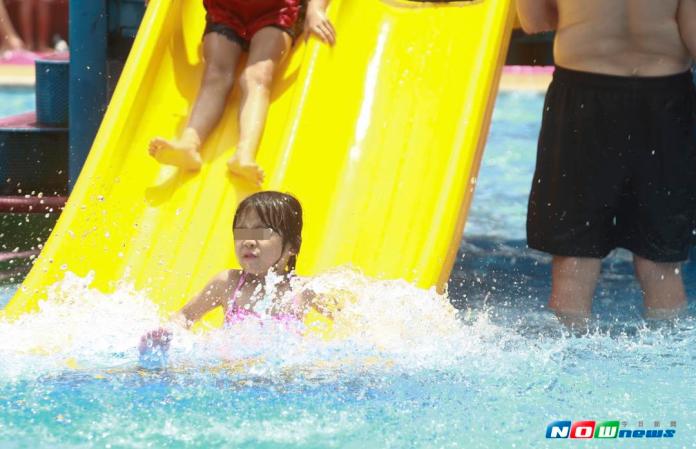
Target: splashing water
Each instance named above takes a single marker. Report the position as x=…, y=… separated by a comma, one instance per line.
x=405, y=370
x=82, y=328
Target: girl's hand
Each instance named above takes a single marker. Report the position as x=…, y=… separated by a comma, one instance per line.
x=155, y=341
x=316, y=22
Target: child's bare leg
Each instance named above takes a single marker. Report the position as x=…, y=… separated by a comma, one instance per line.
x=268, y=47
x=221, y=56
x=26, y=22
x=573, y=284
x=44, y=31
x=10, y=40
x=663, y=288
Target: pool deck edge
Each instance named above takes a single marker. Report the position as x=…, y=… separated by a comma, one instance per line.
x=17, y=75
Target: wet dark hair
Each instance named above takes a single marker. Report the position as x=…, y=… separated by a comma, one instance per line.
x=279, y=211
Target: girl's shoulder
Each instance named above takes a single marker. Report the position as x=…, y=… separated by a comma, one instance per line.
x=233, y=276
x=228, y=278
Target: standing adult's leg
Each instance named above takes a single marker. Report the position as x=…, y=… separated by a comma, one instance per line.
x=221, y=57
x=663, y=288
x=664, y=184
x=574, y=280
x=268, y=48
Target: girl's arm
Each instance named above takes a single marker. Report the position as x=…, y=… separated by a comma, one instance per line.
x=687, y=24
x=537, y=16
x=213, y=295
x=317, y=22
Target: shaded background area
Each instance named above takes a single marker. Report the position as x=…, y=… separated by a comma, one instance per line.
x=58, y=18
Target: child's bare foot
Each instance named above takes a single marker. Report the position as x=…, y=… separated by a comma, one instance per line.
x=14, y=43
x=248, y=170
x=182, y=153
x=175, y=152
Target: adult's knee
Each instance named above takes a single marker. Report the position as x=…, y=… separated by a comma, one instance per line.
x=648, y=269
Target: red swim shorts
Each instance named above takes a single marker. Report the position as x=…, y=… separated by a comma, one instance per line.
x=239, y=20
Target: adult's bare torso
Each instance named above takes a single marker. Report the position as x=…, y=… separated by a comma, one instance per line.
x=620, y=37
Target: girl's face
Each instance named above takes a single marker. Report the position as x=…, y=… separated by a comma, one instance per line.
x=257, y=247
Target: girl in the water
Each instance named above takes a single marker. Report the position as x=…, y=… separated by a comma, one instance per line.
x=267, y=240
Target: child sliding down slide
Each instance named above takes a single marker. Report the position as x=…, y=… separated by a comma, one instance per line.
x=265, y=29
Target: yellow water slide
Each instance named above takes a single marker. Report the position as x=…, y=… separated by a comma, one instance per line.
x=380, y=138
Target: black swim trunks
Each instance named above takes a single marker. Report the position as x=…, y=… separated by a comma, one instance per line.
x=232, y=35
x=616, y=167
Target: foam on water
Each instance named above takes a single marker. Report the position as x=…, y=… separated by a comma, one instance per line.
x=381, y=324
x=86, y=328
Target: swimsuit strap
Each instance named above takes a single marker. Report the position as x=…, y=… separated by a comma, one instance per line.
x=233, y=300
x=236, y=290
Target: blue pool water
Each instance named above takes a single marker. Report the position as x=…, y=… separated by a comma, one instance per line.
x=15, y=100
x=412, y=374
